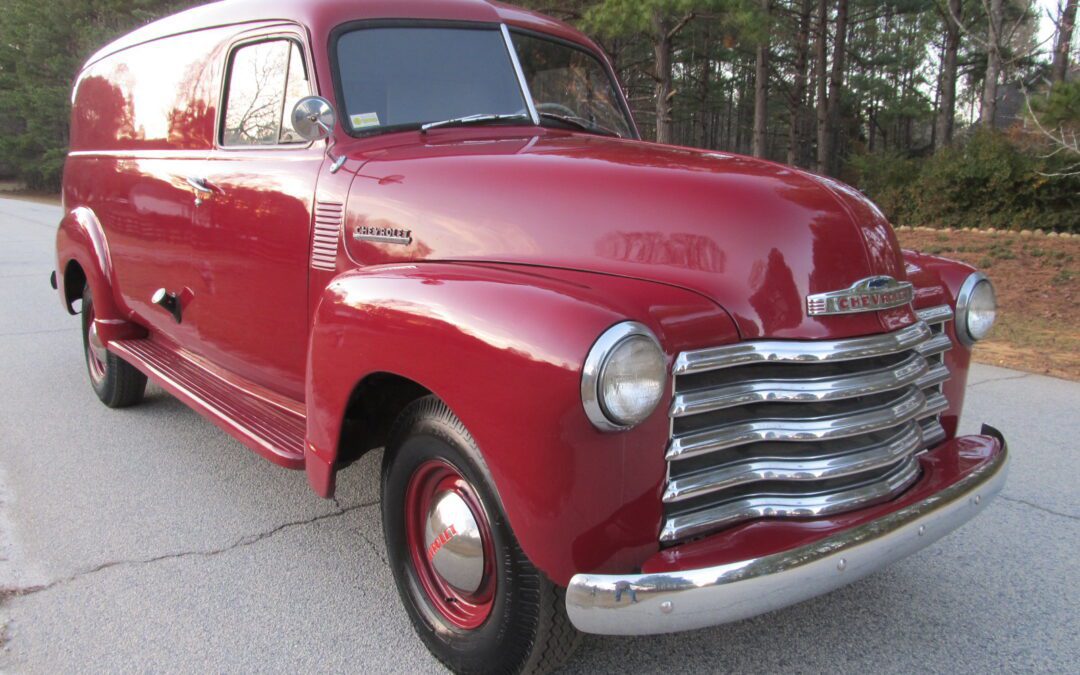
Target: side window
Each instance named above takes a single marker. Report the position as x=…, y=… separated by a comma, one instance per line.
x=265, y=81
x=297, y=87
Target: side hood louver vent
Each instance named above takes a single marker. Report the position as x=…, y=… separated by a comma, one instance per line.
x=324, y=247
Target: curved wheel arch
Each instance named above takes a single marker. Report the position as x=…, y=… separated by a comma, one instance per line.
x=503, y=347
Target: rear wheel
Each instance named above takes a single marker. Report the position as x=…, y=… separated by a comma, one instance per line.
x=116, y=382
x=473, y=596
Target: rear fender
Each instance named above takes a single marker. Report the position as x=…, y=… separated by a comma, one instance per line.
x=503, y=347
x=80, y=239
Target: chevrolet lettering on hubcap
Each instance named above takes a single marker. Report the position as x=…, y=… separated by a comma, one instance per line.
x=865, y=295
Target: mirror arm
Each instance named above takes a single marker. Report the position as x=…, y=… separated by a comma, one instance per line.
x=337, y=161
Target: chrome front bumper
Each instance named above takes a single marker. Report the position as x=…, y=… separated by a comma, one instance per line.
x=640, y=604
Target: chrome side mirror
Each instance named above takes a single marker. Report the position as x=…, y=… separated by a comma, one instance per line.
x=313, y=119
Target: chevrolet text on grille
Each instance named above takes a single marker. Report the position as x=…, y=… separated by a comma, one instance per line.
x=865, y=295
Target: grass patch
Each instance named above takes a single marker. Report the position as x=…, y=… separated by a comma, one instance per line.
x=1038, y=284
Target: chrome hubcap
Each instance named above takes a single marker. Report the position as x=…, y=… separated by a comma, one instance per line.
x=453, y=543
x=96, y=346
x=96, y=353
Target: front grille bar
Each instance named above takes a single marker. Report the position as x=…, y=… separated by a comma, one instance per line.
x=909, y=371
x=939, y=314
x=907, y=407
x=935, y=345
x=792, y=506
x=876, y=456
x=771, y=351
x=934, y=350
x=801, y=428
x=936, y=375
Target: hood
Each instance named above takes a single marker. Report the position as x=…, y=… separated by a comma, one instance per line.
x=753, y=236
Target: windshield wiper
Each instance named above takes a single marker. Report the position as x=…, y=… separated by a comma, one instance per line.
x=472, y=119
x=580, y=123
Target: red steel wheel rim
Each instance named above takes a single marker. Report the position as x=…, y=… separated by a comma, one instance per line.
x=430, y=481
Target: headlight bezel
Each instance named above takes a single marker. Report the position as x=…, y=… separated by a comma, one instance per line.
x=592, y=374
x=963, y=307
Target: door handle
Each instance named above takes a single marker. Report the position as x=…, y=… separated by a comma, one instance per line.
x=201, y=186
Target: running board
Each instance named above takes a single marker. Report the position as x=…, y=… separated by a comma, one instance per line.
x=275, y=431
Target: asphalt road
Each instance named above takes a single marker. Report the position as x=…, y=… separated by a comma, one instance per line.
x=148, y=540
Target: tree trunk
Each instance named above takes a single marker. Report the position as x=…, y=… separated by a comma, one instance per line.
x=798, y=90
x=820, y=62
x=740, y=109
x=988, y=108
x=662, y=52
x=761, y=89
x=1066, y=23
x=946, y=113
x=836, y=85
x=706, y=86
x=705, y=112
x=871, y=144
x=728, y=121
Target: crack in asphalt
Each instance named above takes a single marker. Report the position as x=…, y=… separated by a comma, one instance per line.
x=239, y=543
x=999, y=379
x=373, y=546
x=1033, y=505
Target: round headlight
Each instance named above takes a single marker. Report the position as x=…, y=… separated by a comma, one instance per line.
x=623, y=378
x=976, y=309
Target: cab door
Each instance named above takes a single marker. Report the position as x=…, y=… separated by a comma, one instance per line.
x=252, y=228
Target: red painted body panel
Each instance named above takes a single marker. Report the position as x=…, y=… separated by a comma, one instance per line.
x=503, y=347
x=249, y=279
x=754, y=236
x=527, y=244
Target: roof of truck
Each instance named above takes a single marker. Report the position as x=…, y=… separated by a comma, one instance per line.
x=320, y=16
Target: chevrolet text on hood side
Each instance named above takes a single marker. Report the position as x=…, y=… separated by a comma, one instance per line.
x=621, y=387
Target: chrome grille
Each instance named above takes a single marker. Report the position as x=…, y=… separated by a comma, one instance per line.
x=933, y=350
x=801, y=429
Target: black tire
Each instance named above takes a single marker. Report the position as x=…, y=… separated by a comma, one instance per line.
x=527, y=630
x=116, y=382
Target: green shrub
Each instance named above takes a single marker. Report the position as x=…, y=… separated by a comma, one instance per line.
x=1061, y=107
x=987, y=180
x=886, y=177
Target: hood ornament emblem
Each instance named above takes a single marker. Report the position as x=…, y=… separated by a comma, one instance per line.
x=865, y=295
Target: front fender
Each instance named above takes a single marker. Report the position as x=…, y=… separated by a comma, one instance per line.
x=503, y=347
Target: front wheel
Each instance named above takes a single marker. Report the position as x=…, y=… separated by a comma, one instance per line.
x=116, y=382
x=473, y=596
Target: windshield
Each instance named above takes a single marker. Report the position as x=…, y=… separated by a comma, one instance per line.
x=568, y=82
x=404, y=77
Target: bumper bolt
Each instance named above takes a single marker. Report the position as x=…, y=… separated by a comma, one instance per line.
x=922, y=530
x=842, y=565
x=666, y=607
